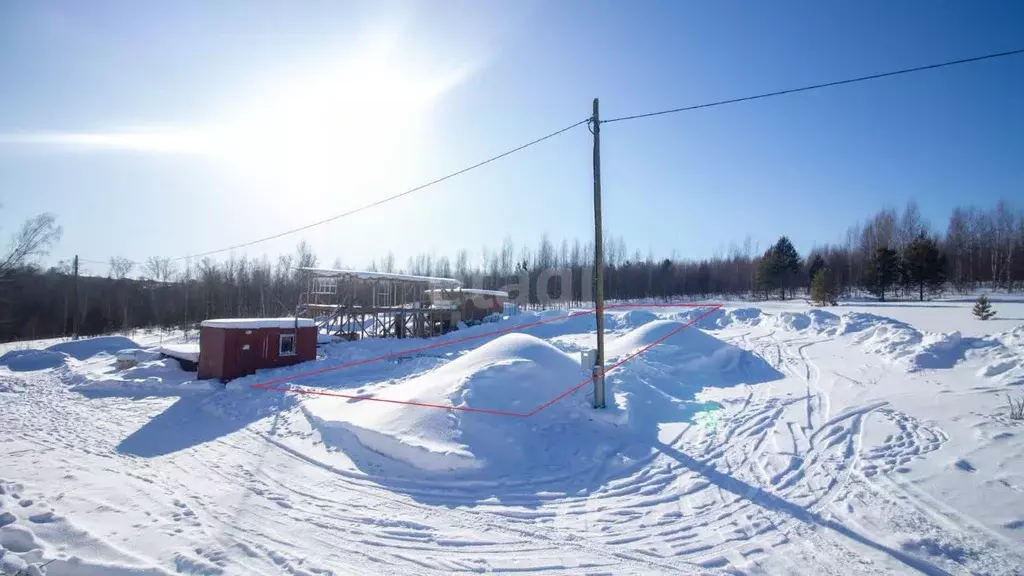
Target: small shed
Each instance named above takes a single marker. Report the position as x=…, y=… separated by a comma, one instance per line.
x=234, y=347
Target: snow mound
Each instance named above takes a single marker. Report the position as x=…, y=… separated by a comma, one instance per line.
x=939, y=351
x=814, y=320
x=513, y=373
x=162, y=377
x=746, y=315
x=883, y=336
x=89, y=347
x=635, y=318
x=559, y=322
x=903, y=344
x=822, y=320
x=31, y=360
x=662, y=384
x=720, y=318
x=703, y=318
x=1004, y=357
x=683, y=349
x=694, y=346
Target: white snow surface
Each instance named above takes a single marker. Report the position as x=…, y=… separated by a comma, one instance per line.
x=185, y=351
x=255, y=323
x=765, y=438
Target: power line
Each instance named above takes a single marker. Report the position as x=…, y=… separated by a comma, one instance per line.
x=389, y=198
x=817, y=86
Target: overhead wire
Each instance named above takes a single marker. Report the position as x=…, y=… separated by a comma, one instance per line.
x=818, y=86
x=389, y=198
x=590, y=120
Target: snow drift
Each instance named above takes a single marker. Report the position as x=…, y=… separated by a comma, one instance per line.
x=31, y=360
x=690, y=347
x=89, y=347
x=689, y=356
x=513, y=373
x=160, y=377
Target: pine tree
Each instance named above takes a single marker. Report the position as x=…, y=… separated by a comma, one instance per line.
x=983, y=308
x=923, y=264
x=765, y=278
x=817, y=263
x=823, y=287
x=881, y=271
x=785, y=265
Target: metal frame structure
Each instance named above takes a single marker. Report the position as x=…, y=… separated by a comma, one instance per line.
x=353, y=304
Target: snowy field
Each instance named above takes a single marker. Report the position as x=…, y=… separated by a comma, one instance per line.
x=767, y=438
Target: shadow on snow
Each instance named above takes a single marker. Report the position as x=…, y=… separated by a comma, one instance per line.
x=199, y=418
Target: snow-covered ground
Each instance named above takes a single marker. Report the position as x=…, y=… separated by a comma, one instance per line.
x=768, y=438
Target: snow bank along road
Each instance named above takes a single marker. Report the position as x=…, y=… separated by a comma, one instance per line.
x=763, y=440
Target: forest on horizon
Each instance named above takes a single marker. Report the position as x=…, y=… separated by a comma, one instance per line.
x=892, y=254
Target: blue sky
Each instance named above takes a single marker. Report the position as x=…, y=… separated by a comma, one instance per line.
x=176, y=128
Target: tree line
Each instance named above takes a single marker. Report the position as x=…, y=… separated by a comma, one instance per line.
x=892, y=254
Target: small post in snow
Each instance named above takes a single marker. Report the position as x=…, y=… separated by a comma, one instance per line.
x=595, y=129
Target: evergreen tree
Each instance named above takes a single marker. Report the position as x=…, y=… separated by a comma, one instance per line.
x=923, y=264
x=823, y=287
x=817, y=263
x=784, y=265
x=881, y=271
x=983, y=308
x=765, y=278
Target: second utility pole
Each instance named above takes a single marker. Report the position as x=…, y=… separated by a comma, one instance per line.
x=74, y=305
x=599, y=402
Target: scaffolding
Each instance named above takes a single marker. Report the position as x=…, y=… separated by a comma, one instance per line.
x=353, y=304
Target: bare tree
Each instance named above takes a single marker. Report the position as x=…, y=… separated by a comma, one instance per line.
x=35, y=238
x=120, y=267
x=158, y=268
x=508, y=257
x=304, y=255
x=462, y=266
x=911, y=225
x=388, y=263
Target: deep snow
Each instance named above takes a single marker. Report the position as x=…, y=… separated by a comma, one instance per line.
x=768, y=438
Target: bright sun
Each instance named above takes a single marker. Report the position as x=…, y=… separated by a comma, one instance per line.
x=347, y=122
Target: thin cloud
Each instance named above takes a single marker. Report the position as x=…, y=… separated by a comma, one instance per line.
x=159, y=142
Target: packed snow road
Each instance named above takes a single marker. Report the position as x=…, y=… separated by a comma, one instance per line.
x=775, y=440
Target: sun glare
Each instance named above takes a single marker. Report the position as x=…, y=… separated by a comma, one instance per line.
x=353, y=122
x=350, y=122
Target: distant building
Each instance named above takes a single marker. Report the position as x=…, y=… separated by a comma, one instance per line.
x=469, y=304
x=234, y=347
x=356, y=304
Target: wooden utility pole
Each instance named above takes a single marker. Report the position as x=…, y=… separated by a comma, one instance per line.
x=74, y=305
x=595, y=123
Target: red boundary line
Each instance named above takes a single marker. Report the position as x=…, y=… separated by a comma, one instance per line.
x=272, y=385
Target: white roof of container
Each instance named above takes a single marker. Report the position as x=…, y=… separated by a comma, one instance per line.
x=472, y=291
x=254, y=323
x=364, y=275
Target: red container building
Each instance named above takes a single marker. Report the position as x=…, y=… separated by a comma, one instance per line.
x=234, y=347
